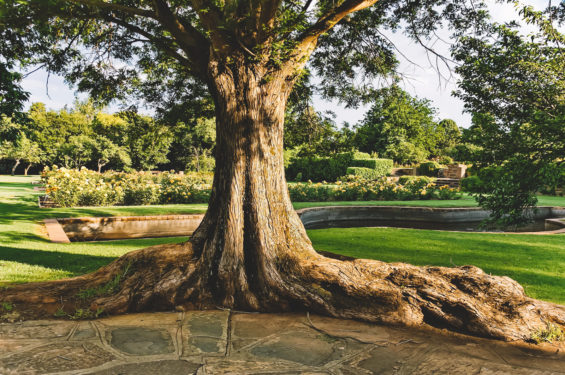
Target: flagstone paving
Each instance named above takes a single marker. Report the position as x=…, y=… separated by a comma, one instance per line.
x=224, y=342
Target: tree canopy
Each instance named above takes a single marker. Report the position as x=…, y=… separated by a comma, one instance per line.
x=514, y=85
x=160, y=50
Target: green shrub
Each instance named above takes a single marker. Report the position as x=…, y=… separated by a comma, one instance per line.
x=382, y=167
x=446, y=160
x=356, y=188
x=445, y=192
x=319, y=168
x=141, y=195
x=421, y=180
x=472, y=184
x=367, y=173
x=71, y=187
x=430, y=168
x=102, y=195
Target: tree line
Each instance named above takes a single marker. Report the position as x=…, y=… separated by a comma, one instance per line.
x=398, y=126
x=86, y=136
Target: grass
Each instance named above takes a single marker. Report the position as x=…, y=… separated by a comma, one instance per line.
x=537, y=262
x=27, y=255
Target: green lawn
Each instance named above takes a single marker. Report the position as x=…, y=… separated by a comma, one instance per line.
x=537, y=262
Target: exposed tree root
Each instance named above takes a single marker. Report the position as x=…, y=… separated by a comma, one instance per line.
x=462, y=299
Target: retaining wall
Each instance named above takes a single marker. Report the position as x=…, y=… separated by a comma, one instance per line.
x=126, y=227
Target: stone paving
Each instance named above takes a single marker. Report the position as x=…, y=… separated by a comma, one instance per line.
x=224, y=342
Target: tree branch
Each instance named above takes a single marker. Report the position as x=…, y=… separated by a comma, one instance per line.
x=330, y=19
x=116, y=7
x=184, y=33
x=307, y=41
x=163, y=44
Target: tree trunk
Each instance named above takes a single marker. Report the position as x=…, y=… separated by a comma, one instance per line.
x=251, y=251
x=15, y=166
x=250, y=228
x=27, y=168
x=100, y=166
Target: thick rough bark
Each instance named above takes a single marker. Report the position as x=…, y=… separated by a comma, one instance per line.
x=251, y=251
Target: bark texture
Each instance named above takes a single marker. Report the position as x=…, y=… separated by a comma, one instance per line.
x=251, y=251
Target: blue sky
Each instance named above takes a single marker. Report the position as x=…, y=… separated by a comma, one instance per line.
x=423, y=79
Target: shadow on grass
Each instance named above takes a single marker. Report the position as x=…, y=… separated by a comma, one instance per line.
x=26, y=209
x=77, y=264
x=16, y=237
x=16, y=185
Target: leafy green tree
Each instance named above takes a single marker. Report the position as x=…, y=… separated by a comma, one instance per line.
x=105, y=151
x=23, y=149
x=251, y=250
x=9, y=130
x=514, y=85
x=313, y=133
x=12, y=96
x=398, y=126
x=77, y=151
x=147, y=141
x=446, y=136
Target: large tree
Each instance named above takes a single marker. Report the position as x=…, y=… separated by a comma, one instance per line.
x=251, y=251
x=514, y=85
x=398, y=126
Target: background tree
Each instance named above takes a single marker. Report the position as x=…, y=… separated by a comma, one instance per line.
x=447, y=136
x=9, y=129
x=398, y=126
x=105, y=151
x=12, y=96
x=251, y=250
x=77, y=151
x=23, y=149
x=147, y=141
x=514, y=85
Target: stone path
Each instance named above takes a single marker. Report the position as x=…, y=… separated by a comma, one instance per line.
x=223, y=342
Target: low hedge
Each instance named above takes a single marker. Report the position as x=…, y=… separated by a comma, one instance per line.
x=72, y=187
x=382, y=167
x=88, y=188
x=319, y=168
x=331, y=168
x=367, y=173
x=355, y=188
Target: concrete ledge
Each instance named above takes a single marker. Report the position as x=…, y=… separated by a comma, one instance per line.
x=316, y=216
x=126, y=227
x=55, y=231
x=555, y=224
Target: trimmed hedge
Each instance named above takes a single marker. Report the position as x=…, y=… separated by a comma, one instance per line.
x=366, y=173
x=382, y=167
x=331, y=168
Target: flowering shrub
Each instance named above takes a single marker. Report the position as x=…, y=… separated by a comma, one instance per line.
x=71, y=187
x=183, y=189
x=355, y=188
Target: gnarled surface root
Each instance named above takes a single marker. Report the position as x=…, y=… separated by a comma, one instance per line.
x=462, y=299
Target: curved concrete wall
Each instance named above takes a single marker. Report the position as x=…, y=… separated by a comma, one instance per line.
x=318, y=216
x=124, y=227
x=113, y=228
